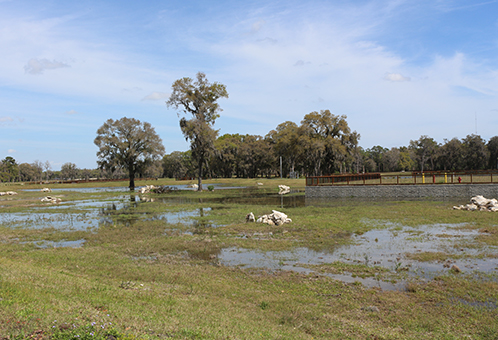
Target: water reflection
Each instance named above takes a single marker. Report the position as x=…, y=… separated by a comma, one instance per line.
x=388, y=248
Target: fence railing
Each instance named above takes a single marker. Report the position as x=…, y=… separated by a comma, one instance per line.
x=408, y=178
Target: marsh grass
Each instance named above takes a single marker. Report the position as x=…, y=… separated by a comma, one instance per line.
x=155, y=280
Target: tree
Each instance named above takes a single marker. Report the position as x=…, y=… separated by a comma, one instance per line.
x=38, y=165
x=376, y=153
x=199, y=99
x=127, y=143
x=177, y=165
x=69, y=171
x=326, y=141
x=474, y=152
x=285, y=141
x=392, y=159
x=9, y=168
x=226, y=154
x=48, y=169
x=425, y=149
x=27, y=172
x=450, y=155
x=493, y=152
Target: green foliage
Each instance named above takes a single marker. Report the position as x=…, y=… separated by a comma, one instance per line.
x=127, y=143
x=199, y=99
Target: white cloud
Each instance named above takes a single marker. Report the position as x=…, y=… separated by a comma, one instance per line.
x=6, y=119
x=256, y=27
x=37, y=66
x=11, y=151
x=72, y=112
x=156, y=96
x=396, y=77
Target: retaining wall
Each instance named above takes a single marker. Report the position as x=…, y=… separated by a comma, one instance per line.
x=408, y=191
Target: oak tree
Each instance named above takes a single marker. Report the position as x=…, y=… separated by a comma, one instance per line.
x=198, y=98
x=129, y=144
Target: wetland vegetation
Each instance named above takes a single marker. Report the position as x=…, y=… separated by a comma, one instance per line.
x=109, y=264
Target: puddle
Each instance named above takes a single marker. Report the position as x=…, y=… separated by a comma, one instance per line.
x=184, y=217
x=85, y=190
x=387, y=248
x=60, y=221
x=43, y=244
x=217, y=186
x=93, y=214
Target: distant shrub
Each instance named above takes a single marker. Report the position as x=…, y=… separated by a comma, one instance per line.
x=210, y=187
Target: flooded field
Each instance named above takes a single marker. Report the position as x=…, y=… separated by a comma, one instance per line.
x=391, y=249
x=388, y=248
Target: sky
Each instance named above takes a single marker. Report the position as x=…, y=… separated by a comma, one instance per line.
x=398, y=69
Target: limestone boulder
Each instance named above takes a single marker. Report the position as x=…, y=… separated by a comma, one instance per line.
x=51, y=199
x=284, y=189
x=275, y=218
x=146, y=189
x=250, y=217
x=8, y=193
x=479, y=203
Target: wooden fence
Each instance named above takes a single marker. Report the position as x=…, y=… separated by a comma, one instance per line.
x=409, y=178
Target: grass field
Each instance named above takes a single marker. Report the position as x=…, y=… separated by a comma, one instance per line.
x=117, y=265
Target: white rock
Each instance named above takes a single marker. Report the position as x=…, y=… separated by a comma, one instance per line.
x=146, y=189
x=46, y=190
x=479, y=203
x=51, y=199
x=250, y=217
x=275, y=218
x=284, y=189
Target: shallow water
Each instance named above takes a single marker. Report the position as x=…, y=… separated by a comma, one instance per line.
x=380, y=247
x=386, y=246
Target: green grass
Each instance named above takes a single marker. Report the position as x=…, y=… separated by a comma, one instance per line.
x=143, y=278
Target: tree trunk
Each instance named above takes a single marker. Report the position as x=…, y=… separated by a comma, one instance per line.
x=131, y=172
x=199, y=180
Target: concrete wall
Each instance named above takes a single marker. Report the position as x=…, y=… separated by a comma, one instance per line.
x=403, y=191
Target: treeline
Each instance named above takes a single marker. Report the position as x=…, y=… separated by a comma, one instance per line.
x=324, y=144
x=38, y=171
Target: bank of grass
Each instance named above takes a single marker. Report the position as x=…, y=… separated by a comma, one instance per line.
x=148, y=279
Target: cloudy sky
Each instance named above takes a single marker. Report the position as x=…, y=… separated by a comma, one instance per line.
x=398, y=69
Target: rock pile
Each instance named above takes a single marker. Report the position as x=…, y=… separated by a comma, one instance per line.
x=7, y=193
x=479, y=203
x=284, y=189
x=51, y=199
x=146, y=189
x=275, y=218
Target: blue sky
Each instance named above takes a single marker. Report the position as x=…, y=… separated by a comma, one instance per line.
x=398, y=69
